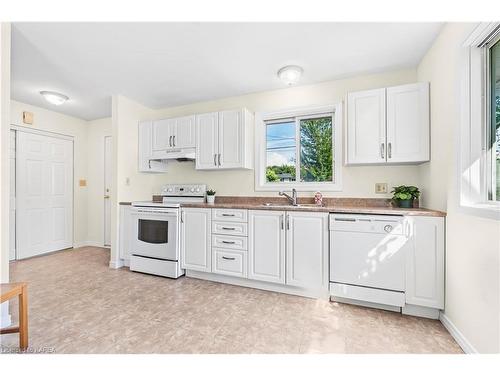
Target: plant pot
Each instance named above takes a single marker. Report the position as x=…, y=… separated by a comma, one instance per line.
x=404, y=203
x=210, y=199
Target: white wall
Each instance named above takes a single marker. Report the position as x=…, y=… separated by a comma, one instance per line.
x=473, y=243
x=5, y=33
x=96, y=131
x=357, y=181
x=63, y=124
x=125, y=115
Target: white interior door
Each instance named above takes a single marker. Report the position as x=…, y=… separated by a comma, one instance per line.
x=107, y=189
x=12, y=203
x=44, y=199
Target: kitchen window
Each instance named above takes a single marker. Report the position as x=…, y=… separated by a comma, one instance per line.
x=479, y=152
x=299, y=149
x=493, y=118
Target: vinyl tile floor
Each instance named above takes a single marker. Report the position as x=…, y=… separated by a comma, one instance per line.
x=77, y=304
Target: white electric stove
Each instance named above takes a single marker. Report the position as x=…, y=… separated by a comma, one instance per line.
x=156, y=230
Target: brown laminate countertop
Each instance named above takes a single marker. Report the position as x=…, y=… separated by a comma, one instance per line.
x=336, y=205
x=325, y=208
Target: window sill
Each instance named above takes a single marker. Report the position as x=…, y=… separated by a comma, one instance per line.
x=484, y=210
x=300, y=187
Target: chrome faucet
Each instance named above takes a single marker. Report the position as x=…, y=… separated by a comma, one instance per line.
x=292, y=199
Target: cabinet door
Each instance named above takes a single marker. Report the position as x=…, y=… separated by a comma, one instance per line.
x=196, y=248
x=307, y=250
x=185, y=132
x=408, y=123
x=425, y=262
x=207, y=140
x=162, y=134
x=144, y=146
x=231, y=138
x=145, y=163
x=366, y=127
x=266, y=246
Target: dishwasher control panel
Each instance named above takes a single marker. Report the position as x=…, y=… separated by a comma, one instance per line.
x=368, y=223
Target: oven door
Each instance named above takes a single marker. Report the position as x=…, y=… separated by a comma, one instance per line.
x=155, y=233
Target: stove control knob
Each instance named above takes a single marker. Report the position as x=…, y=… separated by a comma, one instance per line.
x=169, y=190
x=192, y=190
x=197, y=190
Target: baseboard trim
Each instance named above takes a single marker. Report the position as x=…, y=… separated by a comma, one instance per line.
x=457, y=335
x=90, y=243
x=116, y=264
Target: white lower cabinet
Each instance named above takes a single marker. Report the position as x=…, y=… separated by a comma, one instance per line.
x=425, y=262
x=229, y=262
x=307, y=249
x=289, y=248
x=266, y=246
x=125, y=231
x=196, y=248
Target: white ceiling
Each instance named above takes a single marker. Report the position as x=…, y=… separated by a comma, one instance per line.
x=168, y=64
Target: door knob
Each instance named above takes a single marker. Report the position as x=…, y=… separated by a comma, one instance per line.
x=106, y=197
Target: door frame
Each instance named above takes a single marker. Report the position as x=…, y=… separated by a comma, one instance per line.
x=46, y=133
x=104, y=189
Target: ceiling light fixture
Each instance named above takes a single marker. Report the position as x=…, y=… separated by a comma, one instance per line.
x=54, y=97
x=290, y=74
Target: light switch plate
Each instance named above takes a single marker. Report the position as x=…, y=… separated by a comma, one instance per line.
x=28, y=118
x=381, y=188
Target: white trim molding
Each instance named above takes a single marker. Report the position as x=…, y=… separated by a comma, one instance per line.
x=260, y=148
x=457, y=335
x=473, y=155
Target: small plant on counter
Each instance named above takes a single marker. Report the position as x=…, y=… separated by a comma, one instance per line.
x=211, y=196
x=405, y=195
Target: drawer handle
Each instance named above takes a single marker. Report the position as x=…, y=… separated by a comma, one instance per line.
x=228, y=228
x=228, y=258
x=228, y=215
x=229, y=242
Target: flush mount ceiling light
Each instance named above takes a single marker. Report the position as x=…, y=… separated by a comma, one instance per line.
x=290, y=74
x=54, y=97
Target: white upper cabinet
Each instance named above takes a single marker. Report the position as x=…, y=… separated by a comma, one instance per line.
x=223, y=140
x=366, y=127
x=146, y=161
x=408, y=123
x=266, y=246
x=307, y=250
x=388, y=125
x=207, y=140
x=185, y=132
x=172, y=135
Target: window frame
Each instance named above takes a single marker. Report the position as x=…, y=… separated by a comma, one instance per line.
x=297, y=114
x=475, y=160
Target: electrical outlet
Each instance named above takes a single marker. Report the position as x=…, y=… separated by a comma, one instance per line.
x=380, y=188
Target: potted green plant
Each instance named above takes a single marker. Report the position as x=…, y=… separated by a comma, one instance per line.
x=211, y=196
x=405, y=195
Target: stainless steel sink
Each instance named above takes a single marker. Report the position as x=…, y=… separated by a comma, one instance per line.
x=305, y=205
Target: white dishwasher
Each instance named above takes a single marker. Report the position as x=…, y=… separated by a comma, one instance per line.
x=367, y=258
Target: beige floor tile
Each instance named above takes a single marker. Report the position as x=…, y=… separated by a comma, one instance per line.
x=77, y=304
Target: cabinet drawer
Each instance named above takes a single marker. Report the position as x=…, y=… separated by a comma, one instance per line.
x=229, y=215
x=233, y=229
x=229, y=242
x=229, y=262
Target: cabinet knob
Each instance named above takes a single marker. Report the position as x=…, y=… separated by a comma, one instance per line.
x=388, y=228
